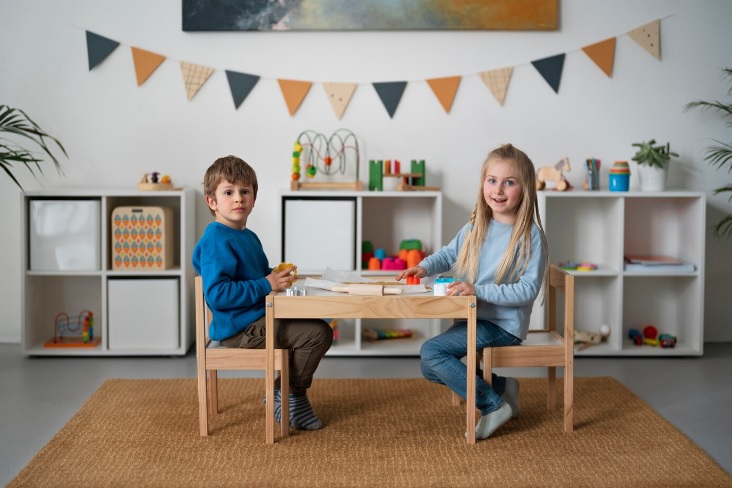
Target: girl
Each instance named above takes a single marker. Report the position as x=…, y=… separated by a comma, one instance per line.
x=500, y=256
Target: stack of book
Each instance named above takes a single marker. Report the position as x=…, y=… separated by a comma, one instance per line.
x=657, y=263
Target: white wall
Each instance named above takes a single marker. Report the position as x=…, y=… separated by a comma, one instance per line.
x=115, y=131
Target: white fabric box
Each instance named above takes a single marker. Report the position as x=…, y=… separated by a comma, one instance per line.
x=65, y=235
x=143, y=313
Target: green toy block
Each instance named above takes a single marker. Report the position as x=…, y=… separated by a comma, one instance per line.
x=376, y=175
x=409, y=244
x=418, y=167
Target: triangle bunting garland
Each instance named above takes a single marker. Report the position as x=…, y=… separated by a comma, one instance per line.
x=240, y=84
x=445, y=90
x=497, y=82
x=294, y=93
x=98, y=48
x=146, y=63
x=603, y=54
x=390, y=94
x=194, y=76
x=649, y=37
x=551, y=70
x=339, y=95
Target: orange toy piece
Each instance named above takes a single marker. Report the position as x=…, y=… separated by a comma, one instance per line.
x=282, y=266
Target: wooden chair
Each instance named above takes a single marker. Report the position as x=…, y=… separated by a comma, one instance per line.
x=212, y=356
x=544, y=347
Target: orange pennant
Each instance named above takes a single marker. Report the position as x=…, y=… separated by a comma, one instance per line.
x=145, y=63
x=294, y=92
x=603, y=54
x=445, y=89
x=649, y=37
x=194, y=76
x=497, y=82
x=339, y=94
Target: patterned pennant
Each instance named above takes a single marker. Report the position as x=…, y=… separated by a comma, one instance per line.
x=339, y=94
x=98, y=48
x=390, y=93
x=497, y=82
x=603, y=54
x=294, y=92
x=551, y=70
x=146, y=63
x=240, y=85
x=194, y=76
x=445, y=90
x=649, y=37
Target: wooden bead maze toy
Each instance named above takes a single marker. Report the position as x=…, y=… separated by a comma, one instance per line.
x=328, y=156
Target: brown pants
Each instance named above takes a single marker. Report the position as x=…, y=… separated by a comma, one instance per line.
x=307, y=339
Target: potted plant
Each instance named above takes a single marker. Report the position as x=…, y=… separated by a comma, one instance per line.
x=16, y=124
x=652, y=162
x=719, y=155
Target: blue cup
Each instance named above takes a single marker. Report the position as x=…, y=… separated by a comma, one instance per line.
x=619, y=182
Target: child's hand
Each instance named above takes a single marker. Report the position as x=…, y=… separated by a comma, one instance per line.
x=417, y=271
x=282, y=276
x=460, y=288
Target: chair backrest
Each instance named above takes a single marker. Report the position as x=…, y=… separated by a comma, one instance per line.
x=560, y=281
x=203, y=314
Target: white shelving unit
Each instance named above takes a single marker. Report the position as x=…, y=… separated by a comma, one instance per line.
x=602, y=227
x=385, y=218
x=143, y=321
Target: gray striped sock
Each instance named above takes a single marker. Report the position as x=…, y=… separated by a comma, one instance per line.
x=302, y=415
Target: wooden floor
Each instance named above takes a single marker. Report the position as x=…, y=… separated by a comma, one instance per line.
x=39, y=395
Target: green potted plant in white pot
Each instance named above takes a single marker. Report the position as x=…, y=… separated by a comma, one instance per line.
x=15, y=125
x=652, y=162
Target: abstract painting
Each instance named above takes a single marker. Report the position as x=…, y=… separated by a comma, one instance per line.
x=348, y=15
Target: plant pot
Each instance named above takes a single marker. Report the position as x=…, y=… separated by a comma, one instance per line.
x=652, y=178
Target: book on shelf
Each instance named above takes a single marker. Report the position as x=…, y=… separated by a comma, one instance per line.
x=651, y=259
x=657, y=263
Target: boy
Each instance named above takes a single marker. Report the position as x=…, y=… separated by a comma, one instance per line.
x=237, y=277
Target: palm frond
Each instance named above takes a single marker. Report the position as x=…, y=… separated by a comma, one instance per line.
x=723, y=228
x=19, y=125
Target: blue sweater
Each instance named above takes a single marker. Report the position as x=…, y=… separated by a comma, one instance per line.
x=507, y=305
x=234, y=267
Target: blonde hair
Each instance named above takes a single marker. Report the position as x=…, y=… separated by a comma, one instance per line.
x=518, y=253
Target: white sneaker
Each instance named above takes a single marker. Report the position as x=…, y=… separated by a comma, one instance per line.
x=511, y=395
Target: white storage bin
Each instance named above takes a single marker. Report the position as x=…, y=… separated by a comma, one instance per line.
x=65, y=235
x=143, y=313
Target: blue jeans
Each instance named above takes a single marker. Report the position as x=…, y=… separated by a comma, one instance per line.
x=441, y=362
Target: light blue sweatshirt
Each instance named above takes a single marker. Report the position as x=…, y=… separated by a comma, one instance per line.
x=234, y=267
x=506, y=305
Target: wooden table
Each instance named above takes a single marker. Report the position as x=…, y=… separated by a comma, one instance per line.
x=340, y=305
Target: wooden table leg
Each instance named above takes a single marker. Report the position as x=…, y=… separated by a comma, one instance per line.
x=470, y=397
x=269, y=370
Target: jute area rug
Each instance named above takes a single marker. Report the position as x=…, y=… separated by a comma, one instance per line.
x=378, y=432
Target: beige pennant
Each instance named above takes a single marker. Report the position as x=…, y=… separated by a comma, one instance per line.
x=445, y=90
x=649, y=37
x=339, y=94
x=603, y=54
x=194, y=76
x=294, y=93
x=146, y=63
x=497, y=82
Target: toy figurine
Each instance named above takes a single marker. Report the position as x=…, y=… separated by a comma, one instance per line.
x=554, y=173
